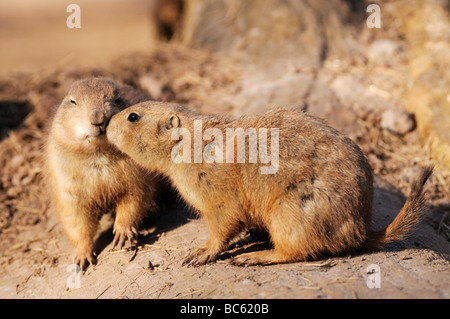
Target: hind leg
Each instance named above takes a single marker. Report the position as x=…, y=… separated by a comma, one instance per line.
x=268, y=257
x=289, y=241
x=221, y=230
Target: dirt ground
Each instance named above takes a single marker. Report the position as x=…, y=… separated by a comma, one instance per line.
x=36, y=258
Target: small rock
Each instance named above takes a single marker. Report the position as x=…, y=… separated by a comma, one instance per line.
x=410, y=174
x=151, y=85
x=382, y=50
x=376, y=162
x=397, y=121
x=13, y=192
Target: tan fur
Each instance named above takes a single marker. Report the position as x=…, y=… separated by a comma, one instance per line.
x=319, y=201
x=86, y=175
x=408, y=217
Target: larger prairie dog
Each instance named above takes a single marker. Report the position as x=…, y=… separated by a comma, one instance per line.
x=317, y=199
x=86, y=175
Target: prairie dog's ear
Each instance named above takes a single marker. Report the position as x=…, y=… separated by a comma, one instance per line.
x=173, y=122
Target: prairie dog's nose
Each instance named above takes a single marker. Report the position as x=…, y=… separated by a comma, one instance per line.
x=97, y=117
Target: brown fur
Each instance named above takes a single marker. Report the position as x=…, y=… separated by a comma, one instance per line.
x=408, y=217
x=319, y=201
x=86, y=175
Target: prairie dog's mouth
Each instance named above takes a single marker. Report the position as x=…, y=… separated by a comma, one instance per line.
x=101, y=133
x=101, y=130
x=95, y=131
x=106, y=125
x=83, y=132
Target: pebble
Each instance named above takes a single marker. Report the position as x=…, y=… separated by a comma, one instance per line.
x=381, y=51
x=397, y=121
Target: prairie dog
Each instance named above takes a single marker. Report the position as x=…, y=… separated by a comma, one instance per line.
x=86, y=175
x=319, y=200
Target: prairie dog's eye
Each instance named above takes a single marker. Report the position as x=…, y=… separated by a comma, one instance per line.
x=118, y=99
x=133, y=117
x=73, y=101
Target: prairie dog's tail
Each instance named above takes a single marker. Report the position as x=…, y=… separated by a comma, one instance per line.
x=408, y=217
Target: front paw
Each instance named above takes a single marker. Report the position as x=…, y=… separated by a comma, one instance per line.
x=122, y=234
x=200, y=257
x=83, y=259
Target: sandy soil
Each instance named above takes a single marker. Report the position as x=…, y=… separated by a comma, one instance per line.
x=412, y=269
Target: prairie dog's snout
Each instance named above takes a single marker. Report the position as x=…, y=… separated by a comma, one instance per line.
x=89, y=106
x=100, y=116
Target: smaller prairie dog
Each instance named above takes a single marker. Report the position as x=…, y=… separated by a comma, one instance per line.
x=86, y=175
x=317, y=201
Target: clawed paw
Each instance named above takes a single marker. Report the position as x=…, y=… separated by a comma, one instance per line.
x=200, y=257
x=265, y=257
x=84, y=260
x=121, y=235
x=244, y=260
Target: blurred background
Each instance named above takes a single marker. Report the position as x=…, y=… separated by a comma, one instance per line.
x=34, y=34
x=285, y=43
